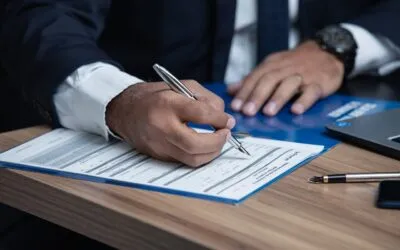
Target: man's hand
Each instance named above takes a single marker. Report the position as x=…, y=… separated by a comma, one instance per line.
x=152, y=119
x=307, y=70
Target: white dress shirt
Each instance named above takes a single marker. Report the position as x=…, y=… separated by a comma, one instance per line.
x=81, y=100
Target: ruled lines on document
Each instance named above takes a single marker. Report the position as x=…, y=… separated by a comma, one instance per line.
x=231, y=175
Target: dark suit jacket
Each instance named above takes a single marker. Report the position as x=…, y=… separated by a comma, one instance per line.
x=43, y=41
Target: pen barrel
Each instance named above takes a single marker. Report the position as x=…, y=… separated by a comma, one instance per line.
x=372, y=177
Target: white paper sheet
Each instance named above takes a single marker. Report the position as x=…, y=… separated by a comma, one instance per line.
x=229, y=178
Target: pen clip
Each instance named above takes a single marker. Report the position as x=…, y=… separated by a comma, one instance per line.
x=173, y=82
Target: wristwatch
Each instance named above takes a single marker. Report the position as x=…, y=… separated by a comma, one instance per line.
x=339, y=42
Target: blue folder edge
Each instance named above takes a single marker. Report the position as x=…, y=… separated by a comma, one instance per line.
x=36, y=169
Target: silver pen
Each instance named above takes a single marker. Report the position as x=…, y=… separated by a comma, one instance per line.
x=355, y=177
x=180, y=88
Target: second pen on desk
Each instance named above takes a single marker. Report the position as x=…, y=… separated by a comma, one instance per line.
x=180, y=88
x=355, y=177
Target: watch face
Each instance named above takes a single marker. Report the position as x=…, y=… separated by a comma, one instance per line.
x=338, y=38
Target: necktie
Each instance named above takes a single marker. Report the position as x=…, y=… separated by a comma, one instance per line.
x=223, y=32
x=273, y=27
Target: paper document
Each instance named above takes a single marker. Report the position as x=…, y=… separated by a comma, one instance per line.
x=229, y=178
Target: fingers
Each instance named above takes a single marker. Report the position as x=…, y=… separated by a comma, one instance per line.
x=215, y=101
x=286, y=90
x=311, y=94
x=196, y=160
x=246, y=88
x=254, y=97
x=194, y=142
x=273, y=62
x=194, y=148
x=205, y=95
x=169, y=152
x=189, y=146
x=201, y=112
x=259, y=95
x=196, y=155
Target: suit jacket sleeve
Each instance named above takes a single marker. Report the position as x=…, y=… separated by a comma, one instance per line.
x=382, y=19
x=43, y=41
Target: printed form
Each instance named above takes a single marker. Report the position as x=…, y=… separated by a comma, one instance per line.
x=230, y=178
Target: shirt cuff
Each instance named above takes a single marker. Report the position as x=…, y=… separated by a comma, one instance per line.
x=374, y=52
x=82, y=99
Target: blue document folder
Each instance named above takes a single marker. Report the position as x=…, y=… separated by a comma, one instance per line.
x=306, y=128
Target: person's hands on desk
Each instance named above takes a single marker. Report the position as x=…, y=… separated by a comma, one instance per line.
x=152, y=119
x=307, y=69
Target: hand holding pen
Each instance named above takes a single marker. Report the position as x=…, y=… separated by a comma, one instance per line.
x=153, y=120
x=180, y=88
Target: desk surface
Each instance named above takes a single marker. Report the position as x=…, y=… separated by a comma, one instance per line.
x=290, y=213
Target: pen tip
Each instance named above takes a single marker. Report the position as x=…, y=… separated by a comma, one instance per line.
x=244, y=151
x=316, y=179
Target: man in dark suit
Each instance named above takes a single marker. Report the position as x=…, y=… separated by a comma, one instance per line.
x=79, y=63
x=82, y=63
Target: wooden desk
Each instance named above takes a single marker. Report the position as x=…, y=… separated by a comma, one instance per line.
x=288, y=214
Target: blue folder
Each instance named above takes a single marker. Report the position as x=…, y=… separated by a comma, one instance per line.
x=309, y=127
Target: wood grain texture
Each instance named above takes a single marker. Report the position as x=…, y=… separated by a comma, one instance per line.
x=289, y=214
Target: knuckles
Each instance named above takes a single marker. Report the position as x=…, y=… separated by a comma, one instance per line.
x=275, y=57
x=207, y=111
x=266, y=78
x=203, y=113
x=202, y=110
